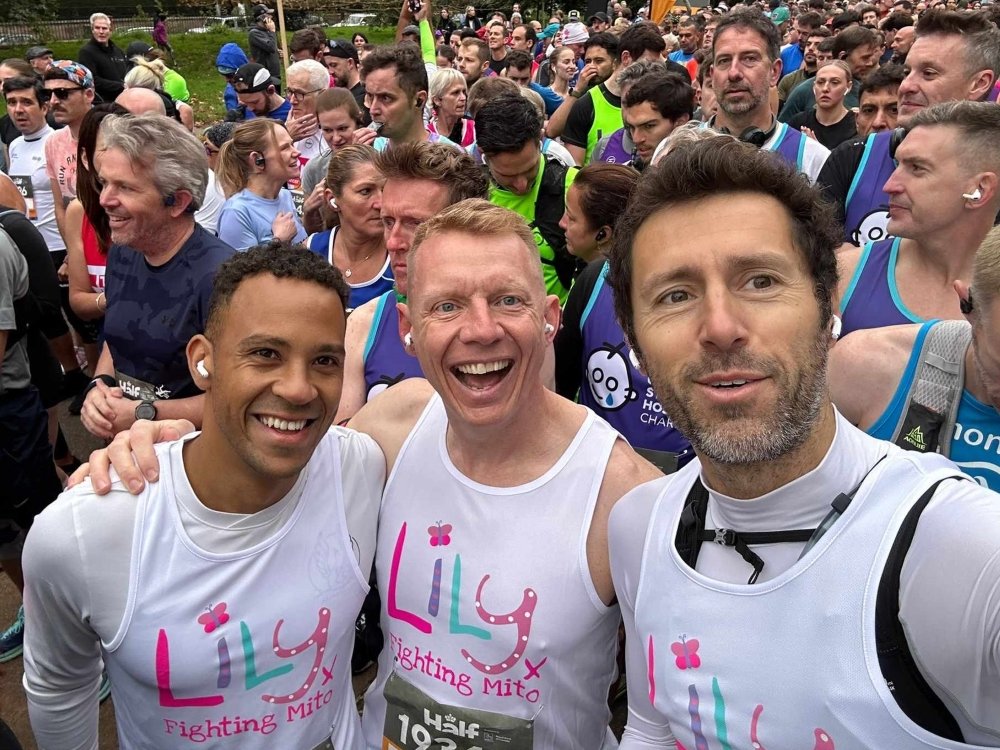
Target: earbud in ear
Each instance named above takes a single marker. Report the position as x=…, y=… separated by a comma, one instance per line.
x=333, y=203
x=202, y=370
x=408, y=340
x=169, y=200
x=259, y=159
x=836, y=328
x=601, y=235
x=549, y=328
x=975, y=195
x=966, y=305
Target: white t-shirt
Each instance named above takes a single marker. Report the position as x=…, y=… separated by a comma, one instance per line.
x=211, y=207
x=27, y=169
x=78, y=563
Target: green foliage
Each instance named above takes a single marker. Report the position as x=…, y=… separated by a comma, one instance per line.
x=195, y=56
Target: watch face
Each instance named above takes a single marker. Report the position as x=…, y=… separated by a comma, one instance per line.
x=145, y=410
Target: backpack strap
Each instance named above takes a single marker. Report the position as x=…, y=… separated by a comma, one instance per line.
x=907, y=685
x=927, y=423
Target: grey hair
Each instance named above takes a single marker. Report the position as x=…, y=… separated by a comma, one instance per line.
x=99, y=17
x=687, y=134
x=638, y=69
x=174, y=158
x=319, y=76
x=442, y=80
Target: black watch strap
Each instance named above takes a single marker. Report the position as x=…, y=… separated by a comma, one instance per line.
x=108, y=380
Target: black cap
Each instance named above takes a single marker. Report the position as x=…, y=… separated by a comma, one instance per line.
x=598, y=16
x=341, y=48
x=138, y=48
x=261, y=10
x=252, y=78
x=34, y=52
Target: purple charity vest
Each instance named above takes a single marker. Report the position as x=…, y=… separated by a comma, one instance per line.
x=871, y=299
x=386, y=361
x=614, y=152
x=612, y=385
x=866, y=211
x=790, y=144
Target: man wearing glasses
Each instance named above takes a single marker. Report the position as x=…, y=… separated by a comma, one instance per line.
x=306, y=80
x=70, y=90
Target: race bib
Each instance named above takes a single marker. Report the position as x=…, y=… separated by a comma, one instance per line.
x=27, y=191
x=299, y=199
x=415, y=721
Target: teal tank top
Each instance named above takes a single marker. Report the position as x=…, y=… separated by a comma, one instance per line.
x=975, y=445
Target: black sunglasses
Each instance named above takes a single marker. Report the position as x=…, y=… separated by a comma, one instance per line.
x=62, y=94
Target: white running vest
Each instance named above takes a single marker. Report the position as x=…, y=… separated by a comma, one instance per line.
x=790, y=663
x=241, y=650
x=488, y=601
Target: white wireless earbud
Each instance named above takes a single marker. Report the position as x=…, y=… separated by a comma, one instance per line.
x=408, y=340
x=975, y=195
x=836, y=328
x=333, y=203
x=202, y=370
x=549, y=328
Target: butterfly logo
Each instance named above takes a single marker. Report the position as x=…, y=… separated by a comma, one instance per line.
x=440, y=534
x=686, y=651
x=214, y=617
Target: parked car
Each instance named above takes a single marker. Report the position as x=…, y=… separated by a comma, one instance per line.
x=356, y=19
x=214, y=23
x=18, y=40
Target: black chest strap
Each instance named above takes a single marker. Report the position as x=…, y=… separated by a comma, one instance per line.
x=908, y=686
x=691, y=532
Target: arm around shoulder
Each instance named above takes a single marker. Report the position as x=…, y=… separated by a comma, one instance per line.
x=391, y=415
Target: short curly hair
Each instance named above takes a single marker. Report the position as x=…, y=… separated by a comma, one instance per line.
x=279, y=259
x=723, y=165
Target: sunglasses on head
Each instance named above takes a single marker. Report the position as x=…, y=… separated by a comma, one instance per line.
x=62, y=94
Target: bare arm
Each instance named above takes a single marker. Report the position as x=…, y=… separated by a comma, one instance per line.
x=557, y=123
x=865, y=369
x=579, y=154
x=626, y=470
x=10, y=196
x=390, y=416
x=847, y=261
x=57, y=199
x=353, y=396
x=82, y=298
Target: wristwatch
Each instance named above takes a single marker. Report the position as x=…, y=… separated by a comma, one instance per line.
x=145, y=410
x=574, y=94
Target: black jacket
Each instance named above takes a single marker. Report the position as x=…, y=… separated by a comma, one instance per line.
x=264, y=49
x=108, y=66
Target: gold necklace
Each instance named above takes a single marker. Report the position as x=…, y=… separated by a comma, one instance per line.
x=348, y=273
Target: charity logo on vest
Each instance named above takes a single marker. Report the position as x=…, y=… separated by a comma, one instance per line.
x=706, y=723
x=872, y=227
x=984, y=443
x=442, y=614
x=614, y=380
x=294, y=676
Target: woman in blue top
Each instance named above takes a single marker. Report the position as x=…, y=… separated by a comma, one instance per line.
x=254, y=166
x=353, y=188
